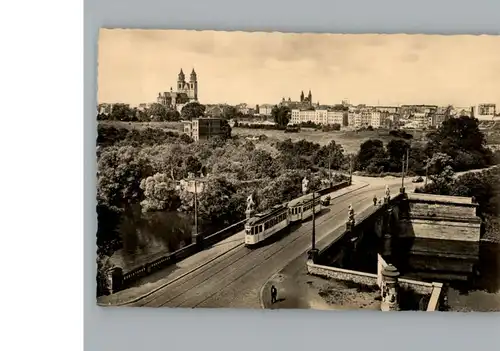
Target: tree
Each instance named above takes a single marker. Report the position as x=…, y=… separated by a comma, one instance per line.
x=396, y=150
x=160, y=193
x=440, y=172
x=230, y=112
x=371, y=152
x=215, y=204
x=330, y=156
x=193, y=165
x=262, y=165
x=173, y=115
x=157, y=112
x=281, y=115
x=462, y=133
x=186, y=139
x=119, y=174
x=192, y=110
x=463, y=141
x=281, y=189
x=121, y=112
x=226, y=129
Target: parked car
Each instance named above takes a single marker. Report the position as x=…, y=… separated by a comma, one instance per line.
x=418, y=179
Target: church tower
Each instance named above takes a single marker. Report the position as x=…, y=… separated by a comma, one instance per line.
x=193, y=86
x=181, y=81
x=302, y=96
x=309, y=97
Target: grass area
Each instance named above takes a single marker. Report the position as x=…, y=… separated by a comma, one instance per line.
x=171, y=126
x=350, y=140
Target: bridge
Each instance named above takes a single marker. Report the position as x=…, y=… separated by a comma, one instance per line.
x=227, y=274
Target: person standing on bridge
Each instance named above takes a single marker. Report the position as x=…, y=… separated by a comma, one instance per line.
x=374, y=200
x=274, y=294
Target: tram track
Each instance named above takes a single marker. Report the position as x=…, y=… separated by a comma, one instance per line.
x=261, y=256
x=228, y=268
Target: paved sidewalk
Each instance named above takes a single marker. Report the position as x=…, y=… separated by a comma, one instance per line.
x=157, y=280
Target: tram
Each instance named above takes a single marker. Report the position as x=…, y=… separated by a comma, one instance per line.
x=301, y=208
x=263, y=225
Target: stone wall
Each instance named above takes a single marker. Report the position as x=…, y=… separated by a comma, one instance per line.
x=430, y=289
x=341, y=274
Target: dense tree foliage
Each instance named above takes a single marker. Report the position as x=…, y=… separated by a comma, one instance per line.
x=371, y=156
x=281, y=115
x=192, y=110
x=160, y=193
x=463, y=141
x=459, y=138
x=123, y=112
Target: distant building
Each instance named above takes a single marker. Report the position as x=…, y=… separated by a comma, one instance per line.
x=388, y=109
x=462, y=111
x=104, y=108
x=485, y=111
x=318, y=116
x=186, y=92
x=264, y=109
x=204, y=128
x=213, y=111
x=375, y=119
x=304, y=103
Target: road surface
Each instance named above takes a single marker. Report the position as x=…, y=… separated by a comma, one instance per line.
x=234, y=279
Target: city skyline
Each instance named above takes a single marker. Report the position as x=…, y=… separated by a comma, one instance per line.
x=258, y=68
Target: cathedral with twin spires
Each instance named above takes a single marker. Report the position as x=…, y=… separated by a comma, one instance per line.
x=186, y=92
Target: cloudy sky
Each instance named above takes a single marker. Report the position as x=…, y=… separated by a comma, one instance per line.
x=234, y=67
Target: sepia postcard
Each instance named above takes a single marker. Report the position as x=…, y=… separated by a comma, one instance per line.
x=298, y=171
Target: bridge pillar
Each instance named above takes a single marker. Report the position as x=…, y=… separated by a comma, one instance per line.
x=390, y=289
x=114, y=279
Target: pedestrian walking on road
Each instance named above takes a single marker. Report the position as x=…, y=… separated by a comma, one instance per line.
x=375, y=200
x=274, y=294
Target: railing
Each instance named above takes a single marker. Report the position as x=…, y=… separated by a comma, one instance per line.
x=172, y=257
x=334, y=187
x=189, y=250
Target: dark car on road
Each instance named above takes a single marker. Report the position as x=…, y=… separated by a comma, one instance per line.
x=418, y=179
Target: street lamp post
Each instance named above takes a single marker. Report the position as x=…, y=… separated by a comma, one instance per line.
x=313, y=253
x=402, y=190
x=350, y=171
x=198, y=238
